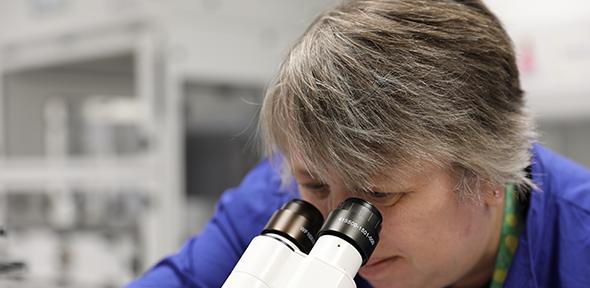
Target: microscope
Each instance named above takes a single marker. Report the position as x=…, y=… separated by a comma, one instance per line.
x=298, y=249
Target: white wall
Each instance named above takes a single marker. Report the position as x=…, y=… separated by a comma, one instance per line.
x=552, y=40
x=242, y=39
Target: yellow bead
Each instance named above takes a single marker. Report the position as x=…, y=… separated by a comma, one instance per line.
x=511, y=220
x=500, y=276
x=511, y=243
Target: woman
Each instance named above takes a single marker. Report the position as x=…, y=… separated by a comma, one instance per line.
x=416, y=107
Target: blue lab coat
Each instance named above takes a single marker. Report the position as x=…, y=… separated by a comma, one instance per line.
x=554, y=249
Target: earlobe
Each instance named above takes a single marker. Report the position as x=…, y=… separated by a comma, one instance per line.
x=496, y=193
x=494, y=197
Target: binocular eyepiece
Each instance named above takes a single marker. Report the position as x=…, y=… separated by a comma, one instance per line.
x=297, y=221
x=355, y=221
x=297, y=248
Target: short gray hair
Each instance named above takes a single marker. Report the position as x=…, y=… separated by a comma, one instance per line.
x=376, y=84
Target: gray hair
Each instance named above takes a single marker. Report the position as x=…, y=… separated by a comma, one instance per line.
x=376, y=84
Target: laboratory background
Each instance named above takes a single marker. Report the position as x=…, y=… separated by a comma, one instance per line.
x=123, y=121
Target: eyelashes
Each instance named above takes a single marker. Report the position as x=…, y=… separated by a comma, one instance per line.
x=378, y=195
x=318, y=190
x=385, y=199
x=321, y=191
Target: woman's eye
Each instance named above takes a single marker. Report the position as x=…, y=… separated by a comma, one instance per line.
x=318, y=189
x=385, y=198
x=379, y=195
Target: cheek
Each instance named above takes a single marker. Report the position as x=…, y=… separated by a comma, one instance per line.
x=429, y=228
x=464, y=220
x=452, y=225
x=451, y=235
x=398, y=230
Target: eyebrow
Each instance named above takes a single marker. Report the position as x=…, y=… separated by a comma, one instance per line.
x=298, y=171
x=399, y=191
x=383, y=192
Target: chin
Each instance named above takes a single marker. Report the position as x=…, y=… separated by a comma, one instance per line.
x=389, y=284
x=392, y=273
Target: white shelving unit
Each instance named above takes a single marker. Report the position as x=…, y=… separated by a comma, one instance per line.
x=155, y=170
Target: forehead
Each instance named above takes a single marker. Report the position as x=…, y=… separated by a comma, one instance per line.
x=390, y=176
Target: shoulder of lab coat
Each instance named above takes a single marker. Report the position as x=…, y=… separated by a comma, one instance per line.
x=554, y=250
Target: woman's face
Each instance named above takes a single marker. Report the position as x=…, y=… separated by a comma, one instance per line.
x=429, y=237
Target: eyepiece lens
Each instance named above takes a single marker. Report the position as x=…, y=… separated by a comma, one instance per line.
x=356, y=221
x=298, y=221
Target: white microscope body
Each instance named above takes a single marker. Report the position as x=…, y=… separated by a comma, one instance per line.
x=278, y=257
